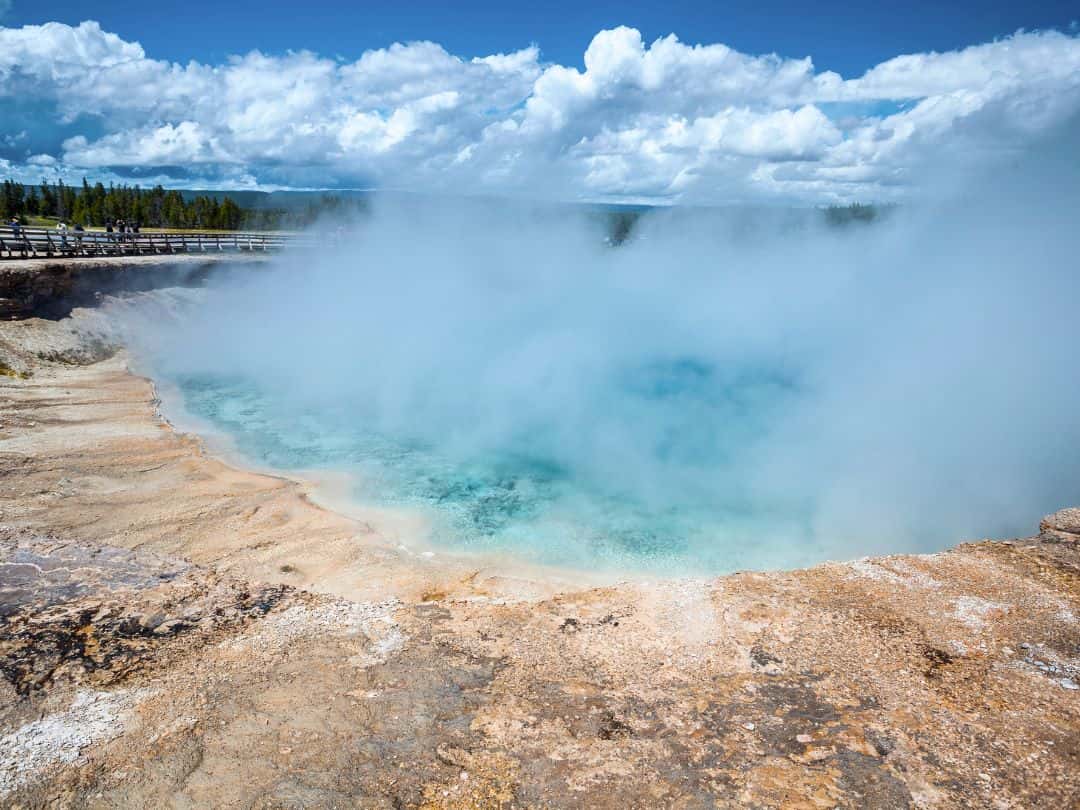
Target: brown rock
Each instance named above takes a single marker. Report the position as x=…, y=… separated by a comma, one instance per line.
x=1062, y=527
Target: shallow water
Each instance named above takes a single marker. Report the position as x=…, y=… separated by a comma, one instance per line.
x=519, y=501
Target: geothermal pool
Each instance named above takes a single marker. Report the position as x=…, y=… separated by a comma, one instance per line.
x=518, y=499
x=701, y=399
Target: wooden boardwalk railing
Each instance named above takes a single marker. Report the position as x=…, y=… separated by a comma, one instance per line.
x=41, y=243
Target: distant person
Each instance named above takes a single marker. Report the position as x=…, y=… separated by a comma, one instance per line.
x=79, y=231
x=17, y=233
x=109, y=229
x=62, y=229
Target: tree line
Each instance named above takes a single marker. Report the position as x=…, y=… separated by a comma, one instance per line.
x=157, y=207
x=333, y=207
x=856, y=212
x=97, y=205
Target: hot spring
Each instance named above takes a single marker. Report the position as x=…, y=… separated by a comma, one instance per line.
x=522, y=495
x=722, y=391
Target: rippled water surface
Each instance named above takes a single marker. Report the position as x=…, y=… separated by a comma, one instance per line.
x=518, y=500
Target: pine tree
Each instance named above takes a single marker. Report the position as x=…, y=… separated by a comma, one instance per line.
x=33, y=203
x=48, y=200
x=229, y=215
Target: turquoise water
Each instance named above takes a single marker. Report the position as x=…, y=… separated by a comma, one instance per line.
x=524, y=499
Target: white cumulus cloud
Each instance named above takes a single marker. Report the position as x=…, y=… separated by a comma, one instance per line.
x=663, y=121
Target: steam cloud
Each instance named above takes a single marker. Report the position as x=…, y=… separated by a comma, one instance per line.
x=866, y=389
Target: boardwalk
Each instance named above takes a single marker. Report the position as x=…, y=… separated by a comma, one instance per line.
x=41, y=243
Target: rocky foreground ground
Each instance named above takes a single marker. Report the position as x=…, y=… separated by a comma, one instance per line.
x=178, y=633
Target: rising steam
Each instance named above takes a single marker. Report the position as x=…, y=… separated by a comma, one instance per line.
x=776, y=390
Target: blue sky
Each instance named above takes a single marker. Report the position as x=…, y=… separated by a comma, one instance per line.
x=842, y=36
x=628, y=101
